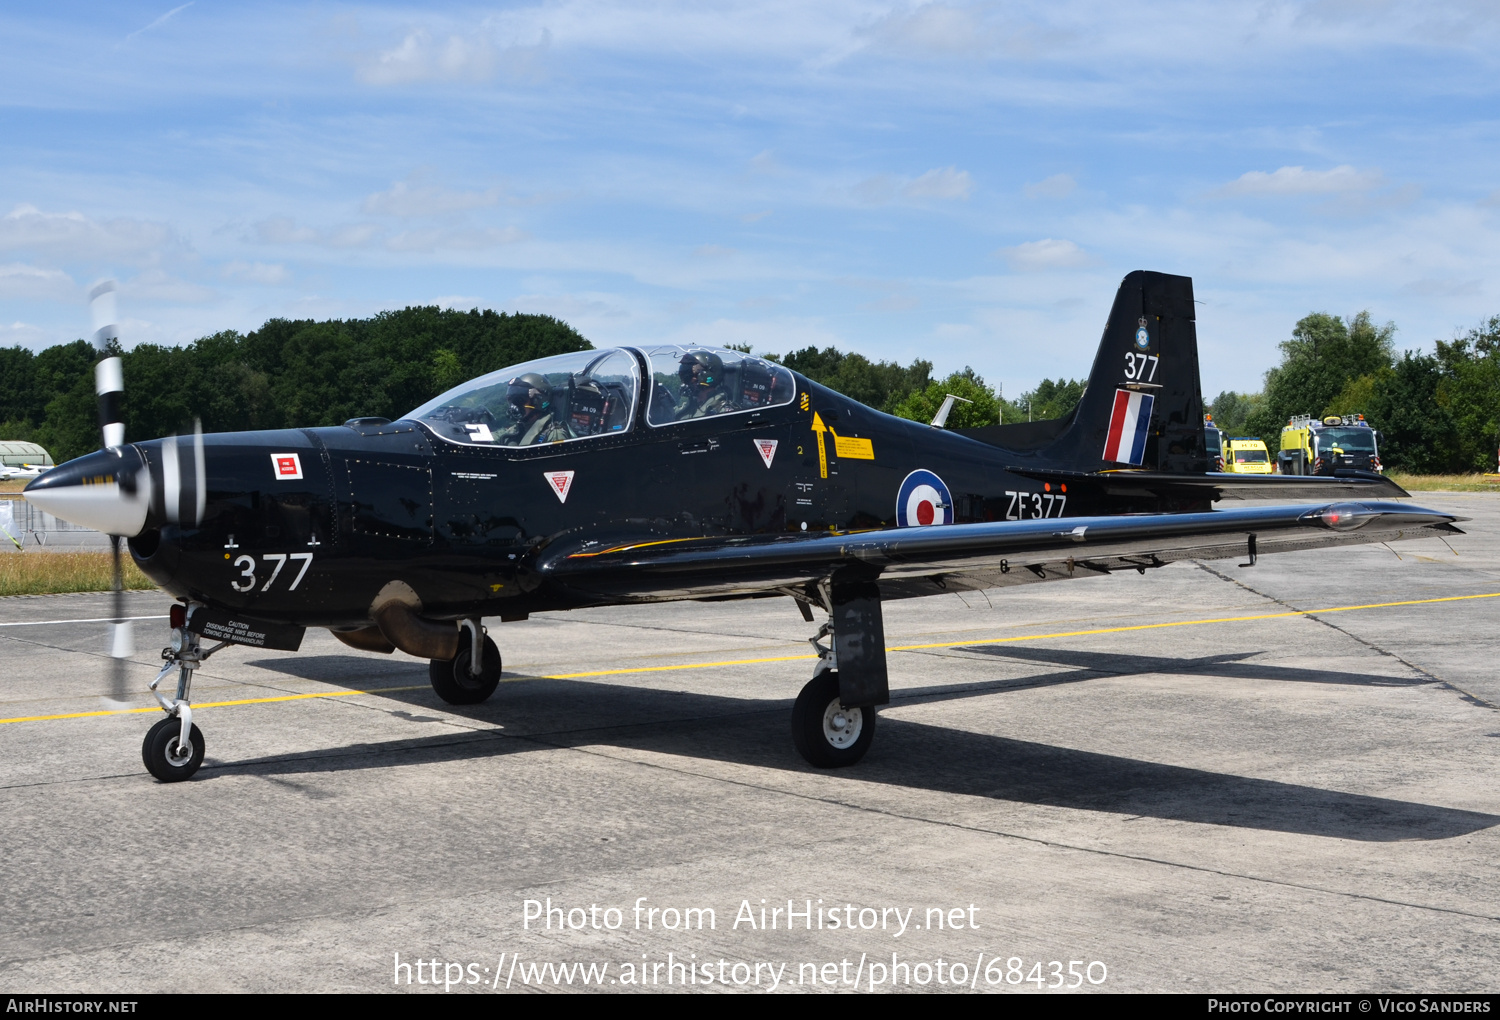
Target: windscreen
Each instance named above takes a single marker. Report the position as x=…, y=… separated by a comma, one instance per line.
x=552, y=400
x=1348, y=440
x=1250, y=456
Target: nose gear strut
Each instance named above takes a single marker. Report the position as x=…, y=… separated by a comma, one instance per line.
x=173, y=748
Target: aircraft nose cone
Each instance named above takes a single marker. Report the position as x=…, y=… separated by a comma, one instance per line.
x=109, y=491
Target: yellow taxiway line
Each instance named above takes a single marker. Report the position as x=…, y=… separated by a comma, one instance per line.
x=789, y=658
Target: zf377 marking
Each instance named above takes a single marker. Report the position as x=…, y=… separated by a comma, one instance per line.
x=1027, y=505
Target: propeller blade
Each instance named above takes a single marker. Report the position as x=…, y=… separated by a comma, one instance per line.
x=109, y=386
x=121, y=642
x=102, y=306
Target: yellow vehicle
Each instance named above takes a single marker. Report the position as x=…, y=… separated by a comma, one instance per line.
x=1312, y=446
x=1248, y=456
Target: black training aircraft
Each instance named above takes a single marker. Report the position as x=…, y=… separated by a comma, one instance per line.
x=667, y=473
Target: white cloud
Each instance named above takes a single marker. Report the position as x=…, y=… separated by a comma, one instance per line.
x=765, y=163
x=1045, y=255
x=713, y=251
x=32, y=283
x=284, y=230
x=74, y=235
x=935, y=28
x=155, y=285
x=755, y=217
x=458, y=301
x=409, y=199
x=1296, y=180
x=22, y=334
x=1443, y=288
x=265, y=273
x=471, y=57
x=945, y=183
x=775, y=336
x=1056, y=186
x=462, y=240
x=419, y=57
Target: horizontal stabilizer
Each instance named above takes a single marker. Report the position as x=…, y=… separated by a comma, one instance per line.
x=1224, y=485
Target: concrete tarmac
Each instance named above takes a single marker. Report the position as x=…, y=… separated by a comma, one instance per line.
x=1182, y=781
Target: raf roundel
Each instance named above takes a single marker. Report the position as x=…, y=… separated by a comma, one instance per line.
x=923, y=499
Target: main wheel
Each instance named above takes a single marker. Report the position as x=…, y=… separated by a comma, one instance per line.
x=163, y=754
x=826, y=733
x=451, y=679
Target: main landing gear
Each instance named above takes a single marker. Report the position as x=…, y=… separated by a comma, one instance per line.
x=173, y=748
x=833, y=719
x=472, y=675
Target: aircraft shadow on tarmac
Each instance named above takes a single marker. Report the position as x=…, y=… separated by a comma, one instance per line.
x=1230, y=666
x=546, y=714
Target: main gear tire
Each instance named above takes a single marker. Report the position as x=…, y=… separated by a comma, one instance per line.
x=163, y=754
x=828, y=735
x=451, y=679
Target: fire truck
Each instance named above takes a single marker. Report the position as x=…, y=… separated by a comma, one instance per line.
x=1214, y=441
x=1326, y=446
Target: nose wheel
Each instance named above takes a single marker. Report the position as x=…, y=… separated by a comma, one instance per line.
x=173, y=748
x=165, y=755
x=826, y=733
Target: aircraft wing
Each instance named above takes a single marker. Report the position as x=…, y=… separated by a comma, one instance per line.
x=1219, y=485
x=907, y=562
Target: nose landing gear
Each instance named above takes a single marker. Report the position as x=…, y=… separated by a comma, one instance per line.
x=173, y=748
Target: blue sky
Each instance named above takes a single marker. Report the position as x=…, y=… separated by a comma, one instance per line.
x=964, y=182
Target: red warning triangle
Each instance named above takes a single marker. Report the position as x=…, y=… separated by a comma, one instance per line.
x=767, y=449
x=561, y=482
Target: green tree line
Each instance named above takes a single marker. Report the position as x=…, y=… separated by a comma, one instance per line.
x=909, y=391
x=303, y=373
x=1437, y=413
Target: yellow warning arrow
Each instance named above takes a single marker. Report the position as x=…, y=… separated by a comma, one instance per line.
x=820, y=428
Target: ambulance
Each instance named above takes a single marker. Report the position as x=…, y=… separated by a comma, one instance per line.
x=1247, y=455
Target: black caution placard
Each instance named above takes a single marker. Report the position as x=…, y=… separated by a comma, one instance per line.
x=218, y=625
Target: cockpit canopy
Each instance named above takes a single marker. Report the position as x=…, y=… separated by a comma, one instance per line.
x=696, y=382
x=594, y=393
x=550, y=400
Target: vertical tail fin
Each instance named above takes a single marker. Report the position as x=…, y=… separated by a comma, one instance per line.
x=1144, y=403
x=1143, y=407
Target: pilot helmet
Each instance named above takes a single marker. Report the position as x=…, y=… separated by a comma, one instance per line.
x=529, y=395
x=701, y=369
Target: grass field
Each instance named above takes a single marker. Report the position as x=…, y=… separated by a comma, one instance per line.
x=50, y=573
x=1446, y=483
